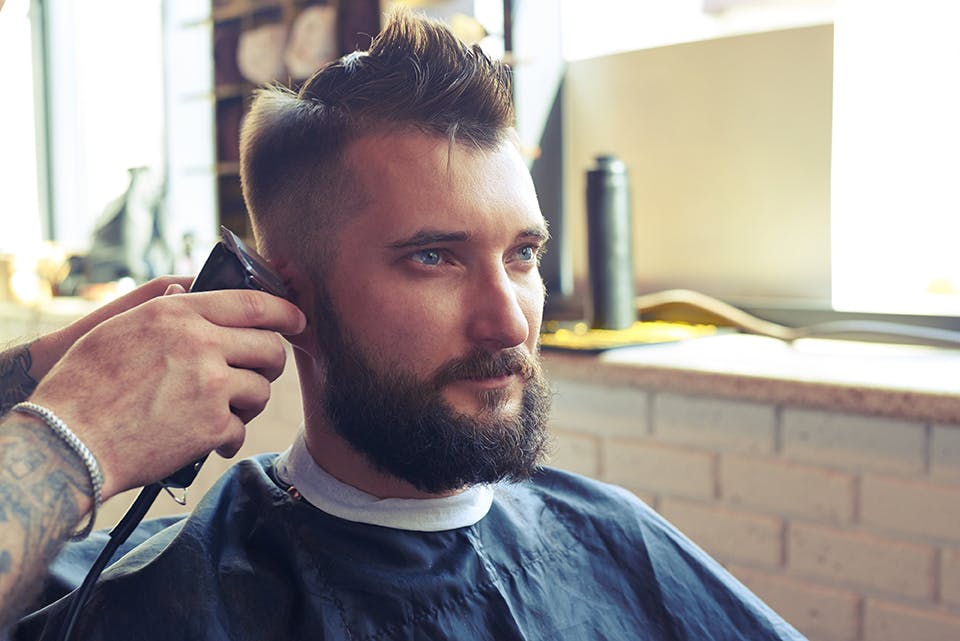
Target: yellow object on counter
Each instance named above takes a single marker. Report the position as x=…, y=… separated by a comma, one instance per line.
x=581, y=337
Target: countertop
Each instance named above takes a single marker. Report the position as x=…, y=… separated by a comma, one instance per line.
x=898, y=381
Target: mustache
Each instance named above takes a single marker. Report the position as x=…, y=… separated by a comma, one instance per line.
x=481, y=364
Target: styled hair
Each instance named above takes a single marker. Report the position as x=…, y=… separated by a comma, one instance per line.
x=416, y=76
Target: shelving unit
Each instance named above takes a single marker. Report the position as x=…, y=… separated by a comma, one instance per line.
x=232, y=91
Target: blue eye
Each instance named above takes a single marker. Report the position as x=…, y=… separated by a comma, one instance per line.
x=429, y=257
x=527, y=253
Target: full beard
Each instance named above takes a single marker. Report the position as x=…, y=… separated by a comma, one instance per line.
x=406, y=429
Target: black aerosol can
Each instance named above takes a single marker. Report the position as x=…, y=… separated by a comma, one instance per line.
x=610, y=245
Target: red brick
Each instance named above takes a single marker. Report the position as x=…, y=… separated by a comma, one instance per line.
x=729, y=535
x=599, y=410
x=578, y=453
x=818, y=611
x=783, y=487
x=950, y=576
x=854, y=442
x=714, y=423
x=660, y=469
x=911, y=506
x=857, y=558
x=885, y=621
x=945, y=452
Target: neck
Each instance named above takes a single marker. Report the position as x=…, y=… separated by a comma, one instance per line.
x=334, y=454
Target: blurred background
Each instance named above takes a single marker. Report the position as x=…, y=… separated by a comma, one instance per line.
x=791, y=157
x=795, y=159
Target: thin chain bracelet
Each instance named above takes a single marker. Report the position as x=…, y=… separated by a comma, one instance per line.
x=93, y=468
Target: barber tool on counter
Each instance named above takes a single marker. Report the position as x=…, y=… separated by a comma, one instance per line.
x=612, y=319
x=610, y=246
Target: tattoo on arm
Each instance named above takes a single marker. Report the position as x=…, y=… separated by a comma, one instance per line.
x=16, y=384
x=42, y=488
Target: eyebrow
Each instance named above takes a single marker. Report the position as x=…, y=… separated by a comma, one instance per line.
x=427, y=237
x=537, y=233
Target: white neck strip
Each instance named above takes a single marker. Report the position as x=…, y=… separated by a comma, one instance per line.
x=296, y=467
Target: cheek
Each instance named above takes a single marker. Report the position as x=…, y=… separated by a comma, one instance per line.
x=410, y=329
x=532, y=294
x=532, y=307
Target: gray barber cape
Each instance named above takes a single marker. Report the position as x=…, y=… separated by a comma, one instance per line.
x=558, y=557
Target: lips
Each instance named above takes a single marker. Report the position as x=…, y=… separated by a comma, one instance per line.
x=491, y=382
x=484, y=368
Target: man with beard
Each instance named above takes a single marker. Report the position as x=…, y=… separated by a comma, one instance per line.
x=390, y=194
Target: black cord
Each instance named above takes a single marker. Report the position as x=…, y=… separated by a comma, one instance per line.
x=118, y=535
x=231, y=265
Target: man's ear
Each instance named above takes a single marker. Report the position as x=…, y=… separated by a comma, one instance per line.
x=302, y=293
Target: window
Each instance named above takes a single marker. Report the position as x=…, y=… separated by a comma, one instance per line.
x=894, y=200
x=896, y=157
x=105, y=62
x=109, y=75
x=19, y=191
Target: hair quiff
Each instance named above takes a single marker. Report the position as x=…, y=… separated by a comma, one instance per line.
x=416, y=76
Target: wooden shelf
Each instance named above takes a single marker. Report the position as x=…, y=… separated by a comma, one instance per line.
x=231, y=93
x=244, y=9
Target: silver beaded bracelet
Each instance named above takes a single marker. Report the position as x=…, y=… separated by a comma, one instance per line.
x=71, y=439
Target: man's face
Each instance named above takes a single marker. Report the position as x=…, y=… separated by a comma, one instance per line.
x=429, y=313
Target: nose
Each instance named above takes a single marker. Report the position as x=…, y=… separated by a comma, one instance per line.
x=497, y=317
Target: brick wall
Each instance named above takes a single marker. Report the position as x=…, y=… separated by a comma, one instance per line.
x=847, y=525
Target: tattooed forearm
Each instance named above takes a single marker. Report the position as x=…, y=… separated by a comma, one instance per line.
x=44, y=489
x=16, y=384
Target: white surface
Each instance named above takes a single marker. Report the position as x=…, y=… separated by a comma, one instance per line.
x=886, y=366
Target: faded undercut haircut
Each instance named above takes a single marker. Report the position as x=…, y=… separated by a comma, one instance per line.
x=416, y=76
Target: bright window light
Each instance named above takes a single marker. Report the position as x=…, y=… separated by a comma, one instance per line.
x=603, y=27
x=19, y=209
x=107, y=106
x=895, y=216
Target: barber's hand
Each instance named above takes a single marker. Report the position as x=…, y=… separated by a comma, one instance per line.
x=49, y=348
x=162, y=384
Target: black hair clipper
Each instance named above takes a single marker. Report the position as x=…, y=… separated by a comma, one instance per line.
x=230, y=265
